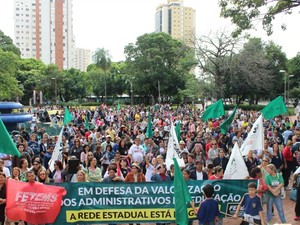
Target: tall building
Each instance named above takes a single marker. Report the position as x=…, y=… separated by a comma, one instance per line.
x=43, y=30
x=82, y=58
x=177, y=20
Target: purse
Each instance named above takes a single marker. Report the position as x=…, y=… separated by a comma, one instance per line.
x=282, y=190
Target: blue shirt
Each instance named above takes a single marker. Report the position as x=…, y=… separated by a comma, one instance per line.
x=208, y=211
x=252, y=206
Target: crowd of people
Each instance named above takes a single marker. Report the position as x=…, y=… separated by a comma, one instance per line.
x=112, y=145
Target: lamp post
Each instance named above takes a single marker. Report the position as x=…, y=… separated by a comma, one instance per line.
x=56, y=100
x=131, y=91
x=286, y=85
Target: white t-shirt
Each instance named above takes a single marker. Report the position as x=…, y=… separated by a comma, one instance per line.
x=137, y=153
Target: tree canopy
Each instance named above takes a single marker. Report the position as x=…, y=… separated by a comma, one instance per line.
x=244, y=13
x=158, y=63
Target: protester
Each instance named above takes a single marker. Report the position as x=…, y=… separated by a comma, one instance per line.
x=253, y=211
x=274, y=182
x=208, y=211
x=296, y=185
x=218, y=173
x=43, y=177
x=2, y=197
x=135, y=175
x=93, y=173
x=81, y=176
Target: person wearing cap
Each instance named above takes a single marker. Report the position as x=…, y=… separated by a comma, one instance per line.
x=108, y=141
x=198, y=173
x=135, y=175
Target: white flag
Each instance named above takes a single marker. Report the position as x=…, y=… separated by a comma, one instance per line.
x=255, y=139
x=236, y=167
x=57, y=152
x=173, y=149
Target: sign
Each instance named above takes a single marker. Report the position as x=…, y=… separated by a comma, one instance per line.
x=138, y=202
x=32, y=202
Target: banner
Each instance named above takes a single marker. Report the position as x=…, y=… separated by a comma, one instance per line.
x=147, y=202
x=33, y=202
x=255, y=139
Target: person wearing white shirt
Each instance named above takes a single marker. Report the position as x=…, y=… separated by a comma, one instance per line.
x=4, y=169
x=136, y=152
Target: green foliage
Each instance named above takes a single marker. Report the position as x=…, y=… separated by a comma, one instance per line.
x=157, y=57
x=243, y=13
x=6, y=44
x=9, y=87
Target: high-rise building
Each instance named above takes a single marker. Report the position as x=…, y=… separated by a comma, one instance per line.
x=82, y=58
x=177, y=20
x=43, y=30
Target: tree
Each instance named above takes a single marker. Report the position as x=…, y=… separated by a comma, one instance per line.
x=250, y=74
x=6, y=44
x=102, y=59
x=293, y=68
x=244, y=12
x=158, y=63
x=9, y=87
x=29, y=74
x=214, y=54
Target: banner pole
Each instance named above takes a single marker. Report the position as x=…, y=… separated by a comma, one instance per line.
x=238, y=218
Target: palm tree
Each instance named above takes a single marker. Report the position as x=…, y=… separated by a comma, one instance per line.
x=102, y=61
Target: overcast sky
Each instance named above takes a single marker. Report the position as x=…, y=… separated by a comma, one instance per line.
x=112, y=24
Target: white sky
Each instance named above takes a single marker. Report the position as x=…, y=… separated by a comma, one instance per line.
x=112, y=24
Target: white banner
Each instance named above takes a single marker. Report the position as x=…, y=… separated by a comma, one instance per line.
x=236, y=167
x=255, y=139
x=173, y=149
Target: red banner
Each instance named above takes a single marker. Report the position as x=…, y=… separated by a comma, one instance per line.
x=34, y=203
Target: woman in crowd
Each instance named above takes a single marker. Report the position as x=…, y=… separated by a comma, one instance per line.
x=83, y=154
x=43, y=177
x=76, y=149
x=288, y=156
x=98, y=155
x=278, y=160
x=251, y=161
x=218, y=175
x=2, y=197
x=15, y=174
x=93, y=173
x=160, y=174
x=135, y=175
x=124, y=167
x=23, y=169
x=274, y=182
x=81, y=176
x=36, y=166
x=150, y=167
x=213, y=152
x=264, y=167
x=56, y=175
x=262, y=188
x=123, y=148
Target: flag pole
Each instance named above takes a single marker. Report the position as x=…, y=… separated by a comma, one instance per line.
x=237, y=218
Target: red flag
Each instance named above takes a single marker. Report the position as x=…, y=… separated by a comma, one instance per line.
x=119, y=173
x=33, y=202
